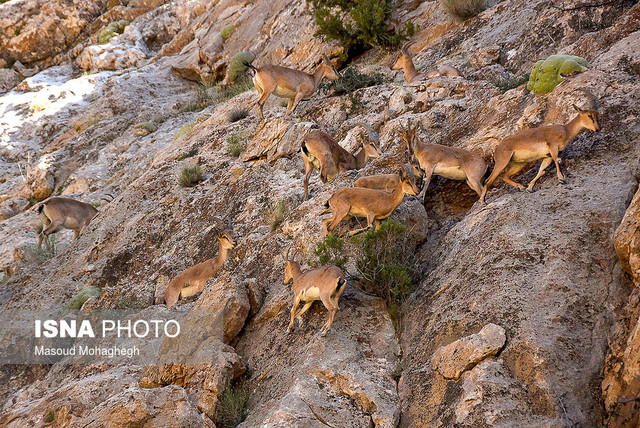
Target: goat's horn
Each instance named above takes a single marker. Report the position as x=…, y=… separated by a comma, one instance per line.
x=593, y=100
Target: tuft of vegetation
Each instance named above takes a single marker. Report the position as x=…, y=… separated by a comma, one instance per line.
x=276, y=213
x=202, y=97
x=350, y=80
x=227, y=31
x=149, y=126
x=236, y=68
x=386, y=264
x=190, y=175
x=112, y=30
x=330, y=251
x=35, y=254
x=231, y=408
x=81, y=298
x=51, y=415
x=185, y=129
x=226, y=93
x=512, y=83
x=237, y=114
x=548, y=73
x=463, y=9
x=358, y=25
x=191, y=153
x=236, y=143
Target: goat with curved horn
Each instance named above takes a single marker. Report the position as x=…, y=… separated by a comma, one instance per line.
x=320, y=151
x=544, y=142
x=326, y=283
x=288, y=83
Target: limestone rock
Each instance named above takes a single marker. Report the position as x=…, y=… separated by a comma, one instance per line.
x=9, y=78
x=13, y=206
x=485, y=56
x=457, y=357
x=627, y=240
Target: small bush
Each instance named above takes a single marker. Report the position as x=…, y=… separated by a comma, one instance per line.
x=189, y=154
x=276, y=213
x=236, y=68
x=231, y=407
x=49, y=249
x=185, y=129
x=81, y=298
x=463, y=9
x=386, y=264
x=237, y=114
x=202, y=97
x=51, y=415
x=149, y=126
x=330, y=251
x=236, y=144
x=229, y=92
x=350, y=80
x=112, y=30
x=513, y=83
x=190, y=175
x=358, y=24
x=227, y=31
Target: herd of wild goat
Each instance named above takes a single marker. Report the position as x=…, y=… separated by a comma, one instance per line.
x=373, y=197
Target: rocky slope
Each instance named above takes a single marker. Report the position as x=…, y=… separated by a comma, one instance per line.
x=550, y=279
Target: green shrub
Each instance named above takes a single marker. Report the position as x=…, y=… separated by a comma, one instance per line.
x=81, y=297
x=236, y=68
x=386, y=263
x=227, y=31
x=185, y=129
x=548, y=73
x=190, y=175
x=463, y=9
x=149, y=126
x=202, y=97
x=358, y=24
x=51, y=415
x=276, y=213
x=330, y=251
x=237, y=114
x=236, y=144
x=49, y=249
x=230, y=410
x=350, y=80
x=226, y=93
x=112, y=30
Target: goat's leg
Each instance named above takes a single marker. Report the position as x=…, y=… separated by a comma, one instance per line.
x=304, y=309
x=553, y=151
x=545, y=163
x=328, y=303
x=296, y=302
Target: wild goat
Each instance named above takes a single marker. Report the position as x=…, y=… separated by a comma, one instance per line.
x=373, y=204
x=326, y=283
x=320, y=151
x=405, y=63
x=289, y=83
x=386, y=182
x=544, y=142
x=193, y=279
x=68, y=213
x=448, y=162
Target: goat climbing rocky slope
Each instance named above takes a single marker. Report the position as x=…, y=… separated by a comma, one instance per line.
x=537, y=295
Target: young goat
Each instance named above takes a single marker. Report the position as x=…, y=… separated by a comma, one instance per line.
x=544, y=142
x=405, y=63
x=194, y=279
x=386, y=182
x=320, y=151
x=68, y=213
x=289, y=83
x=448, y=162
x=326, y=283
x=373, y=204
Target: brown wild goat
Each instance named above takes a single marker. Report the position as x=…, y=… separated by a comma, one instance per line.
x=288, y=83
x=373, y=204
x=193, y=279
x=448, y=162
x=320, y=151
x=386, y=182
x=326, y=283
x=544, y=142
x=405, y=63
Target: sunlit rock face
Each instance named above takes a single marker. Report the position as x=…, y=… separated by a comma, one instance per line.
x=553, y=274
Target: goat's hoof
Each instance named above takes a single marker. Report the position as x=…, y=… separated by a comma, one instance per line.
x=323, y=333
x=562, y=181
x=289, y=330
x=484, y=206
x=529, y=190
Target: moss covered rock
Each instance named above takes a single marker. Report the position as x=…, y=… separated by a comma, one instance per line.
x=227, y=31
x=81, y=297
x=548, y=73
x=236, y=66
x=145, y=128
x=112, y=29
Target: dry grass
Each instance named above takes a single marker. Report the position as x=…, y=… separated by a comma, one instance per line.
x=463, y=9
x=190, y=175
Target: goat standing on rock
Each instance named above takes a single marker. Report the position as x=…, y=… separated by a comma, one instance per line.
x=320, y=151
x=405, y=63
x=544, y=142
x=288, y=83
x=326, y=283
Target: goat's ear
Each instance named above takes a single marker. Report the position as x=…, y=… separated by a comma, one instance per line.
x=578, y=109
x=402, y=173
